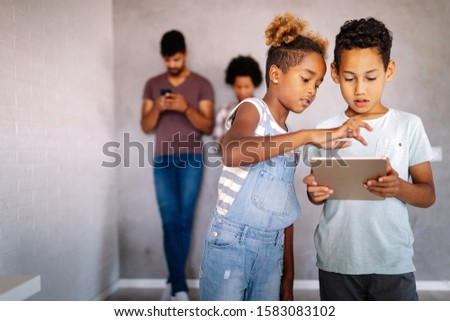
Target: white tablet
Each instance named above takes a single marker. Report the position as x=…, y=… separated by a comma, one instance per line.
x=346, y=176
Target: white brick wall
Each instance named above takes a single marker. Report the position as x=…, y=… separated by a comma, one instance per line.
x=57, y=204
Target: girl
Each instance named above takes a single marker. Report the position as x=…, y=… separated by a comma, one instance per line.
x=244, y=75
x=243, y=251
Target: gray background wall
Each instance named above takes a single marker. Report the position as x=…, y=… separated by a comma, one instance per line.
x=71, y=80
x=57, y=204
x=218, y=30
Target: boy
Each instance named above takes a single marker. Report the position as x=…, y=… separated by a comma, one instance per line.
x=365, y=248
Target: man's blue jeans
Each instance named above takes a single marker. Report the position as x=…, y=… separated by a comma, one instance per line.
x=177, y=184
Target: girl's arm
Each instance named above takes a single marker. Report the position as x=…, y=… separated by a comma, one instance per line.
x=287, y=279
x=419, y=193
x=241, y=147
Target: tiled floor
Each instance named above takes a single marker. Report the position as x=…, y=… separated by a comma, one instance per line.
x=143, y=294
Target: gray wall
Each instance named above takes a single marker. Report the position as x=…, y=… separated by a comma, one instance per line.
x=57, y=204
x=218, y=30
x=58, y=106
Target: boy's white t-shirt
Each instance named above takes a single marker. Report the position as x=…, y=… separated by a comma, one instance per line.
x=365, y=237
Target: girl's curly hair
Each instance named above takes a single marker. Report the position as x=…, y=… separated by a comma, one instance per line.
x=289, y=41
x=363, y=33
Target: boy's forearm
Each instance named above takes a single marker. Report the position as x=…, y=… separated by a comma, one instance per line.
x=417, y=194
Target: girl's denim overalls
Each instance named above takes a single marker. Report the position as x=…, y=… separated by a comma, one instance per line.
x=243, y=253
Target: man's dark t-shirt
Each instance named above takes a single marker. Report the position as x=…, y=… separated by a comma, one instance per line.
x=174, y=133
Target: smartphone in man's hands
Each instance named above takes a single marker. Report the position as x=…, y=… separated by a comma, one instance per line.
x=164, y=91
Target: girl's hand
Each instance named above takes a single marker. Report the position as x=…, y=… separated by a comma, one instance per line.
x=337, y=137
x=351, y=129
x=385, y=186
x=317, y=194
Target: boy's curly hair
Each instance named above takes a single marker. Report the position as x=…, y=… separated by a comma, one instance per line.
x=363, y=33
x=289, y=41
x=243, y=66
